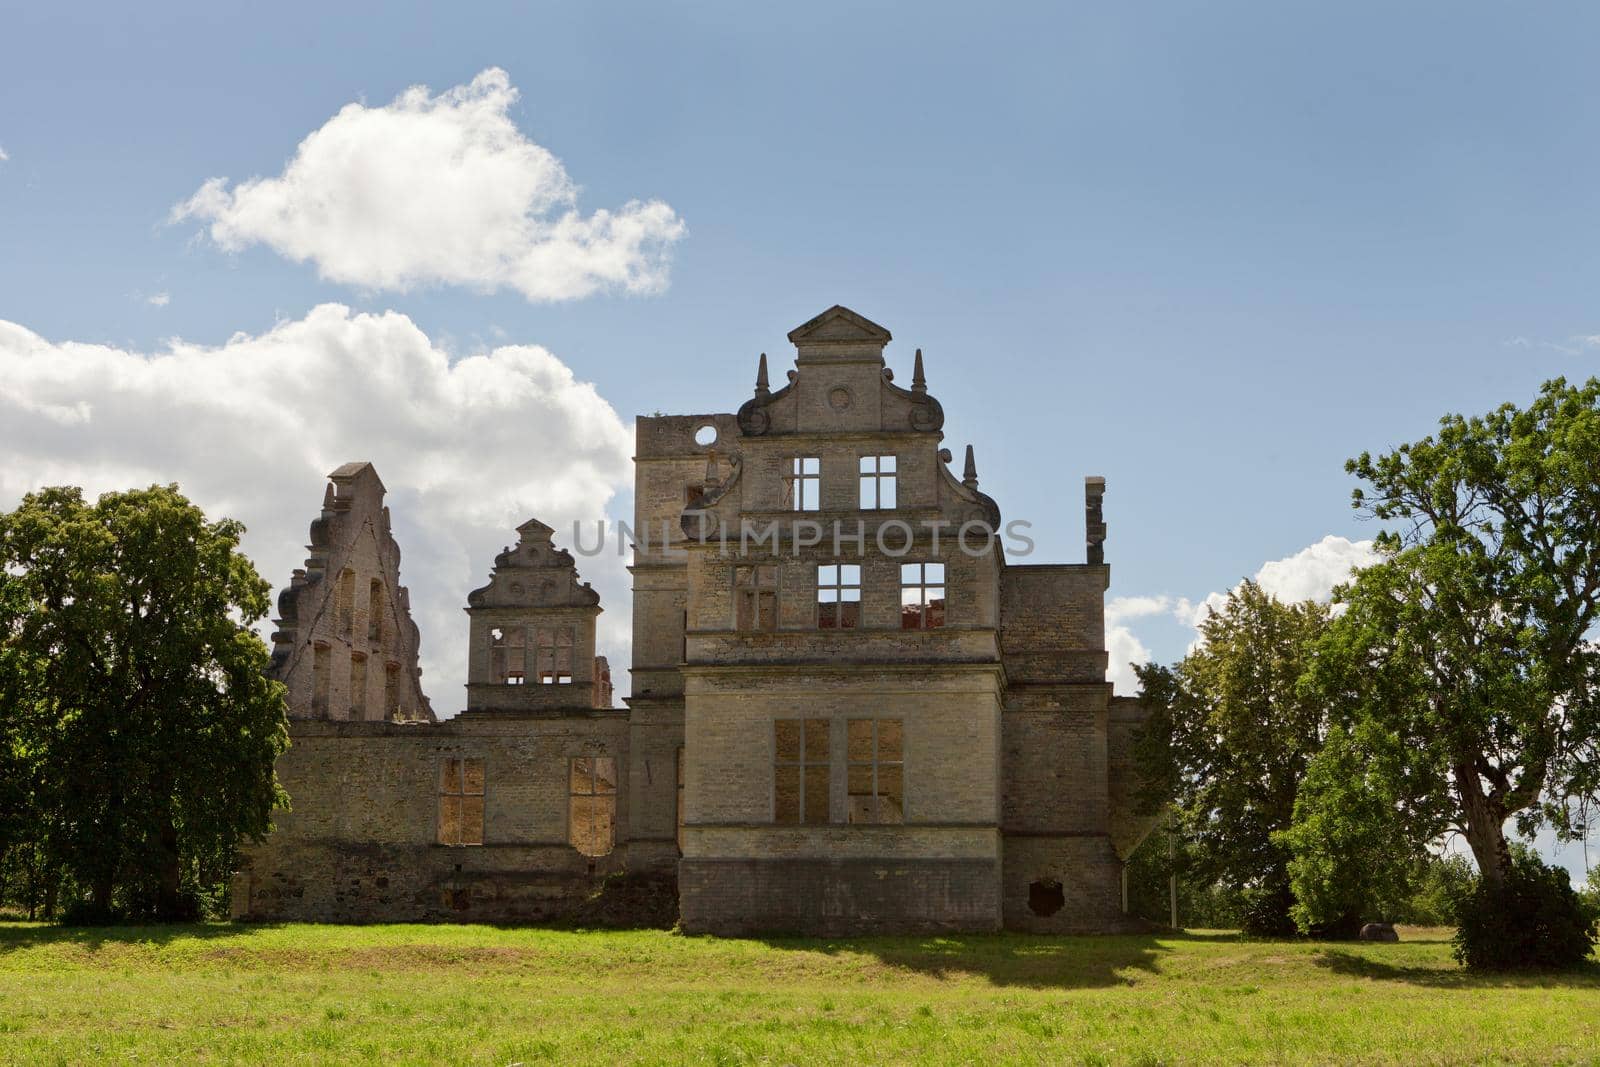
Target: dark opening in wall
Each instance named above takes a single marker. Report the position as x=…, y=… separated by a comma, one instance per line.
x=1045, y=897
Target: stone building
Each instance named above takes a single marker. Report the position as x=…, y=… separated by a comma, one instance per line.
x=849, y=711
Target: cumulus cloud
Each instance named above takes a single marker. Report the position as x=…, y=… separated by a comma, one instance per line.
x=1309, y=574
x=440, y=190
x=159, y=300
x=469, y=447
x=3, y=156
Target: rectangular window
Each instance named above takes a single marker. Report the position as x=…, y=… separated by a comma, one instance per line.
x=839, y=596
x=461, y=802
x=592, y=804
x=358, y=686
x=755, y=591
x=320, y=664
x=877, y=483
x=555, y=656
x=375, y=612
x=877, y=771
x=391, y=691
x=921, y=596
x=800, y=771
x=802, y=488
x=344, y=602
x=508, y=655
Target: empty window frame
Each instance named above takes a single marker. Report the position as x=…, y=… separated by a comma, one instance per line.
x=877, y=483
x=554, y=656
x=838, y=596
x=802, y=485
x=755, y=593
x=801, y=770
x=508, y=655
x=592, y=804
x=876, y=774
x=921, y=596
x=461, y=802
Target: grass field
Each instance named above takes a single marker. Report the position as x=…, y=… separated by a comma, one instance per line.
x=429, y=994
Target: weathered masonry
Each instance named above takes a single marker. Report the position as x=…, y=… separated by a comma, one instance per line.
x=849, y=711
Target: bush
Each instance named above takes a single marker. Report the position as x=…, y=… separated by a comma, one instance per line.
x=1534, y=920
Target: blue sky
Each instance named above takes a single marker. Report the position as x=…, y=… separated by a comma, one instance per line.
x=1206, y=250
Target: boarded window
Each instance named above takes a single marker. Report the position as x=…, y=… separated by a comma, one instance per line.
x=839, y=596
x=876, y=771
x=800, y=771
x=592, y=811
x=802, y=485
x=358, y=686
x=921, y=596
x=680, y=800
x=320, y=671
x=375, y=612
x=554, y=656
x=461, y=802
x=755, y=591
x=877, y=482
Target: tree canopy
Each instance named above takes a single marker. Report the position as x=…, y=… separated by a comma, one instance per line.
x=1229, y=739
x=1472, y=642
x=137, y=725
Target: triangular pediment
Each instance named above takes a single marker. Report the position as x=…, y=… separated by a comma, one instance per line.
x=840, y=325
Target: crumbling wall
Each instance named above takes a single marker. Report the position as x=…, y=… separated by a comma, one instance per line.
x=346, y=646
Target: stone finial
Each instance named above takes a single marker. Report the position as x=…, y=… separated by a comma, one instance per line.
x=969, y=473
x=919, y=381
x=762, y=389
x=1094, y=521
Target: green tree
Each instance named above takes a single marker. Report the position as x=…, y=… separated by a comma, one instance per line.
x=1229, y=739
x=137, y=704
x=1472, y=641
x=1354, y=852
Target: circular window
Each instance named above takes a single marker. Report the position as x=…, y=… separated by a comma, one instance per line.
x=706, y=436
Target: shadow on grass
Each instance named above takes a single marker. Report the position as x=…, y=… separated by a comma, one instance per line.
x=94, y=938
x=1039, y=961
x=1360, y=965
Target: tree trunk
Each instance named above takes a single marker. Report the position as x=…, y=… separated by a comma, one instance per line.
x=169, y=904
x=1485, y=829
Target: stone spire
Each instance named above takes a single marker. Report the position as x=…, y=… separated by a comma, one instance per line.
x=969, y=474
x=919, y=381
x=762, y=389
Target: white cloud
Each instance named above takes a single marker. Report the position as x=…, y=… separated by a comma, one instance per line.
x=1309, y=574
x=159, y=300
x=440, y=189
x=468, y=448
x=3, y=156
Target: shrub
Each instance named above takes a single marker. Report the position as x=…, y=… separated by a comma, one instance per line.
x=1533, y=920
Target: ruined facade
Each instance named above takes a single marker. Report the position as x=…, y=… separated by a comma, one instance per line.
x=849, y=711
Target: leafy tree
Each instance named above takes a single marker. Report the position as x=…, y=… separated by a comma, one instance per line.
x=135, y=699
x=1229, y=740
x=1354, y=852
x=1472, y=641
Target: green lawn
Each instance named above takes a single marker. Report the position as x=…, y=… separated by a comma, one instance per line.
x=428, y=994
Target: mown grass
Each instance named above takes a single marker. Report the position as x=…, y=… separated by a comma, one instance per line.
x=476, y=994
